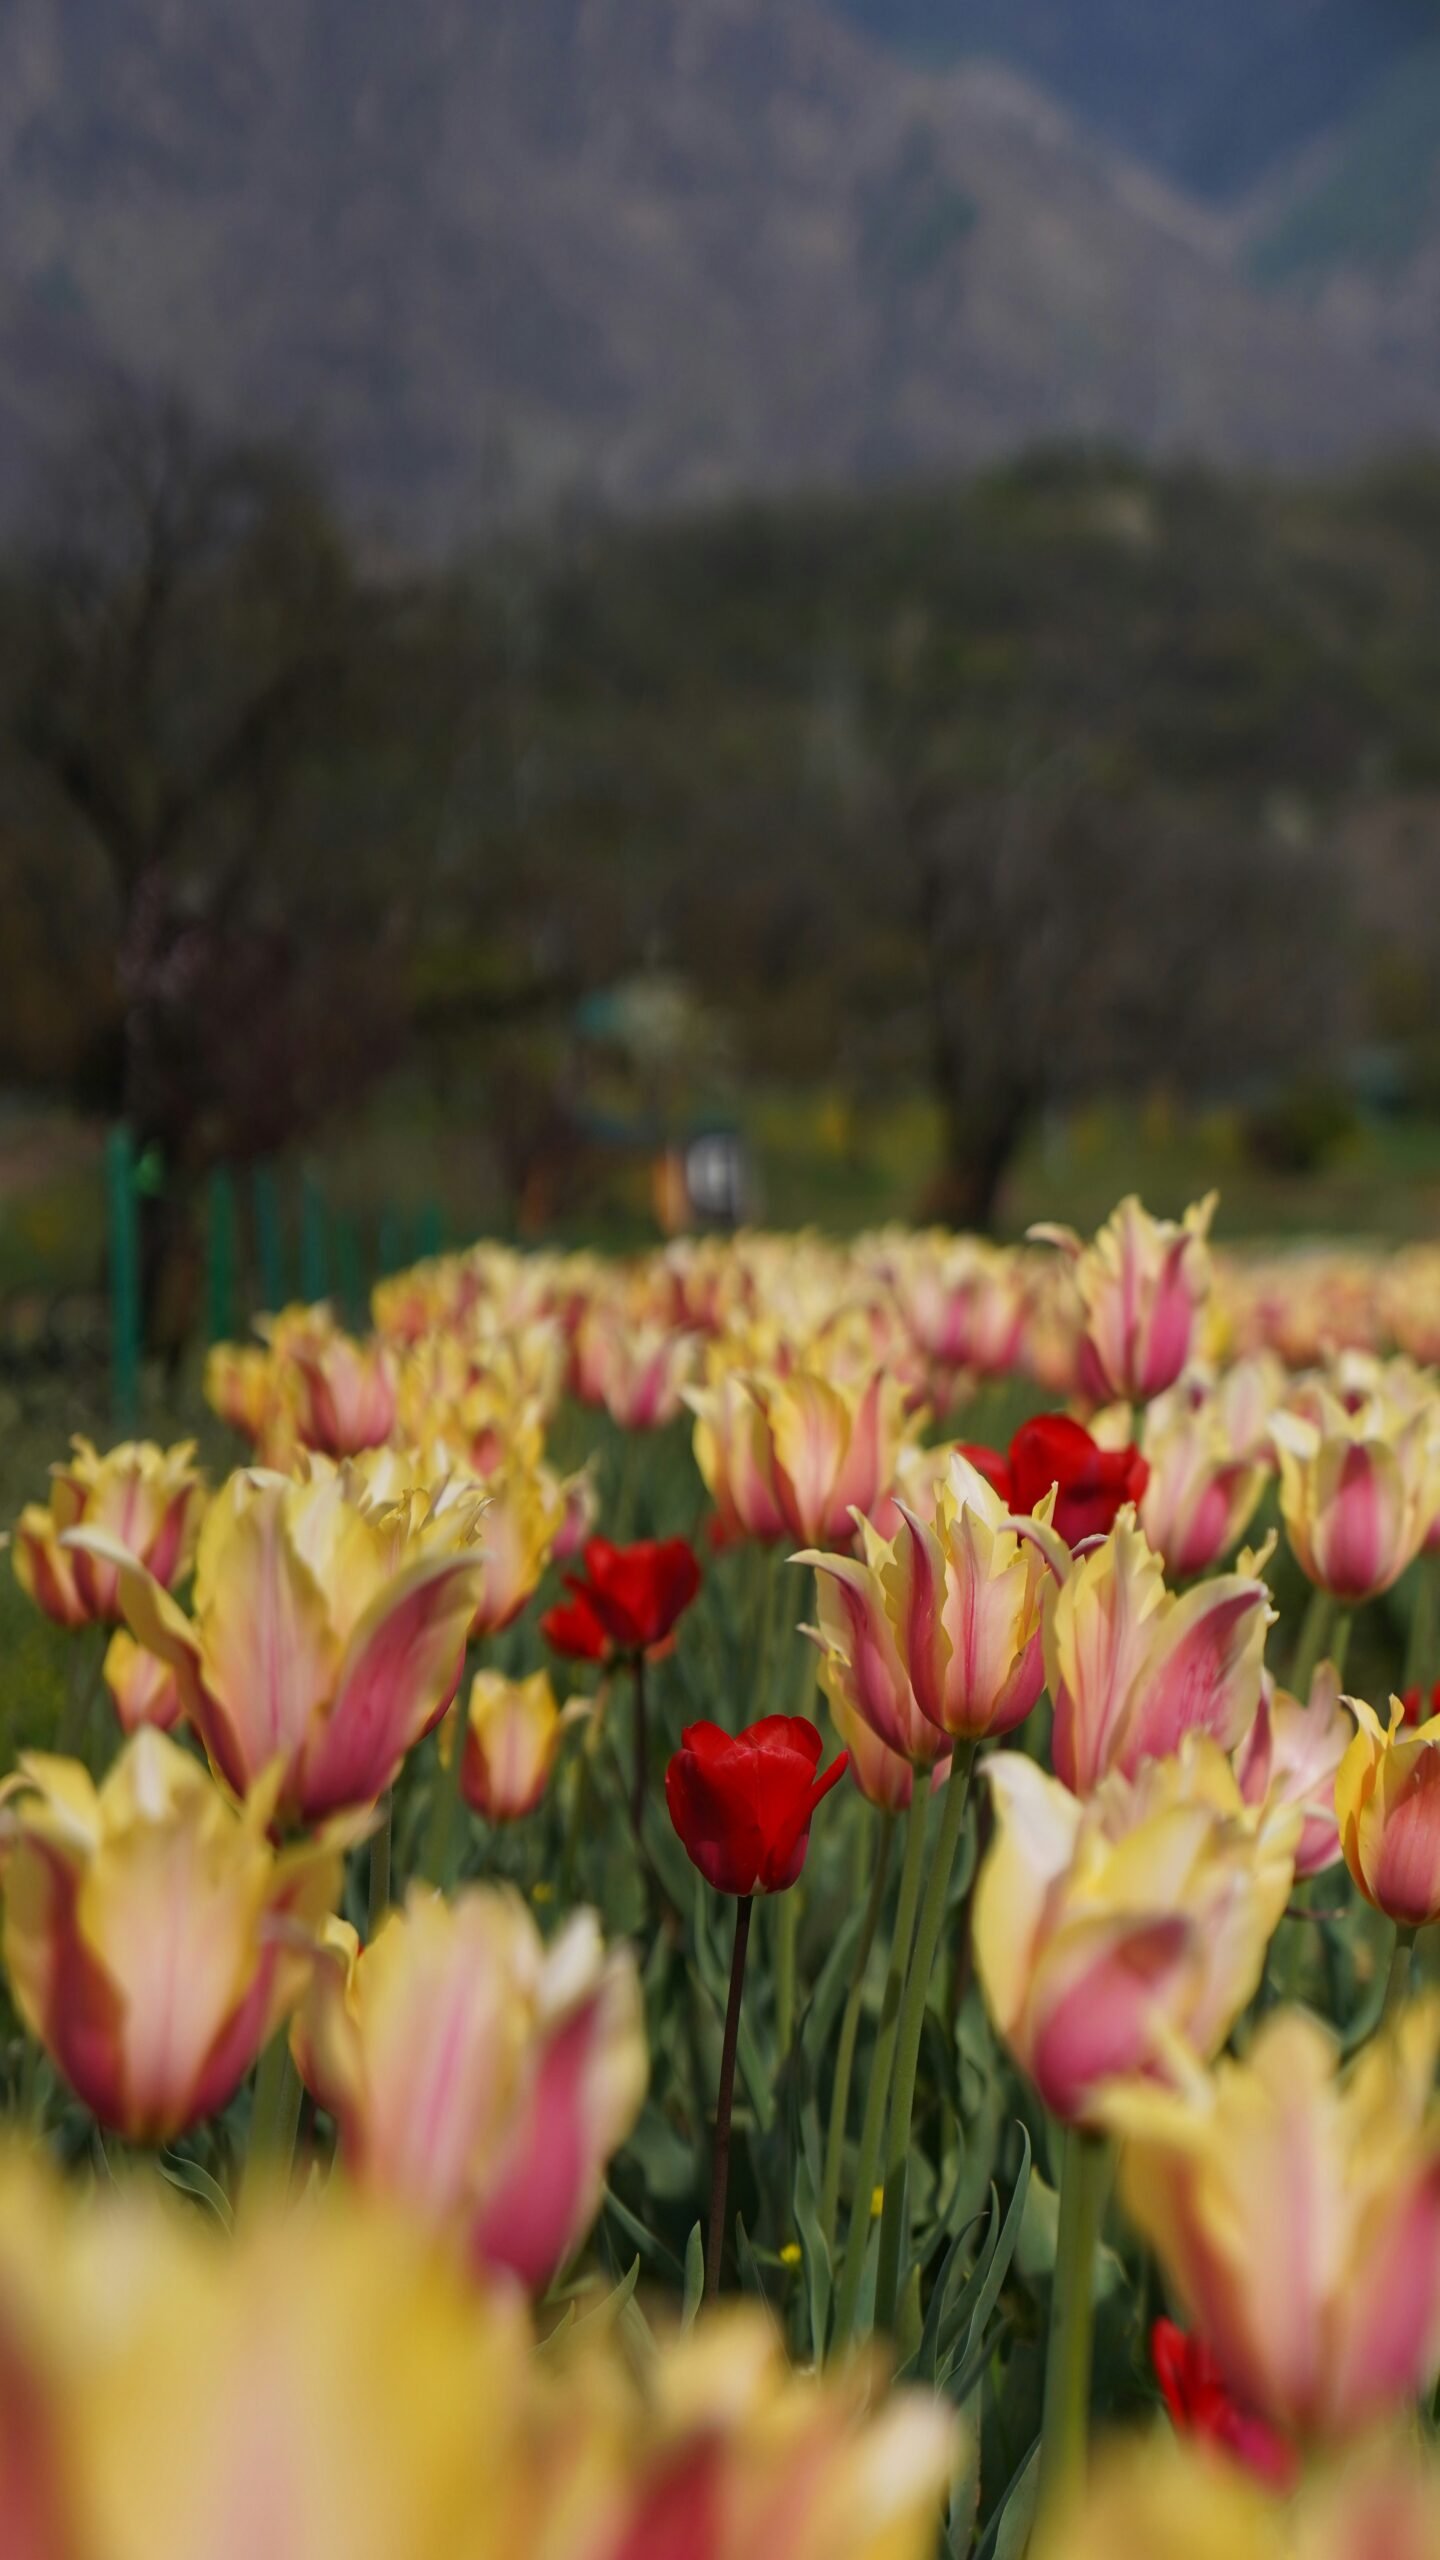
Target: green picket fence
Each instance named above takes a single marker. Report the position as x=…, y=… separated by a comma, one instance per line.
x=266, y=1241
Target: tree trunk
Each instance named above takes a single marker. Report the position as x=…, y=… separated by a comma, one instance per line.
x=981, y=1136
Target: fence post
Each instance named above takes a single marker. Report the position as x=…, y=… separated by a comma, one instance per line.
x=350, y=1276
x=220, y=1256
x=429, y=1232
x=389, y=1248
x=124, y=1260
x=313, y=1258
x=269, y=1243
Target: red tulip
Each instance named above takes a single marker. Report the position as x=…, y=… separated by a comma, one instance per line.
x=992, y=1466
x=1093, y=1482
x=1200, y=2405
x=742, y=1803
x=628, y=1600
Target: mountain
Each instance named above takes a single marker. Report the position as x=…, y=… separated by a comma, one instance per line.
x=652, y=250
x=1217, y=97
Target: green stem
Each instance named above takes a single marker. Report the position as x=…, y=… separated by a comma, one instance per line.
x=1339, y=1644
x=787, y=1925
x=1083, y=2179
x=1397, y=1988
x=640, y=1774
x=87, y=1663
x=274, y=2115
x=1420, y=1670
x=380, y=1862
x=440, y=1856
x=724, y=2101
x=1314, y=1637
x=882, y=2061
x=849, y=2030
x=912, y=2027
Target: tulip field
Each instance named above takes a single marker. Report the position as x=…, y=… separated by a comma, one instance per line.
x=771, y=1902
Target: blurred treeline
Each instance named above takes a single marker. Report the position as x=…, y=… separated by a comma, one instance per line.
x=1079, y=778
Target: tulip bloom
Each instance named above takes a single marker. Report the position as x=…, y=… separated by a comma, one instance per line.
x=1109, y=1932
x=1387, y=1805
x=326, y=1635
x=942, y=1627
x=963, y=1304
x=1132, y=1667
x=1141, y=1284
x=154, y=1940
x=1296, y=2215
x=1091, y=1484
x=1194, y=2392
x=1200, y=1496
x=142, y=1687
x=795, y=1455
x=1358, y=1493
x=344, y=1391
x=1292, y=1755
x=742, y=1803
x=638, y=1372
x=512, y=1733
x=142, y=1498
x=628, y=1601
x=883, y=1776
x=476, y=2076
x=242, y=1386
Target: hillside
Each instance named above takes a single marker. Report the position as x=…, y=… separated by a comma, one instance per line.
x=651, y=250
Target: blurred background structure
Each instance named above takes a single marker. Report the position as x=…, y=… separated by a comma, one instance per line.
x=617, y=612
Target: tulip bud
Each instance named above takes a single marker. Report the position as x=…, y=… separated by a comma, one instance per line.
x=742, y=1803
x=1292, y=1755
x=143, y=1935
x=1141, y=1284
x=1110, y=1933
x=142, y=1686
x=145, y=1500
x=1387, y=1805
x=1296, y=2216
x=512, y=1733
x=1201, y=1496
x=345, y=1391
x=796, y=1454
x=1359, y=1493
x=1133, y=1667
x=476, y=2076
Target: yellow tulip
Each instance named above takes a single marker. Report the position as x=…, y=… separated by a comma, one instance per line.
x=1296, y=2214
x=512, y=1733
x=1141, y=1284
x=147, y=1500
x=153, y=1938
x=1387, y=1804
x=1359, y=1491
x=328, y=1634
x=477, y=2076
x=1112, y=1933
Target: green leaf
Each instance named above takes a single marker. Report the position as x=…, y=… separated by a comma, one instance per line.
x=606, y=2313
x=645, y=2240
x=694, y=2276
x=907, y=2322
x=750, y=2275
x=928, y=2350
x=195, y=2181
x=1008, y=2531
x=819, y=2275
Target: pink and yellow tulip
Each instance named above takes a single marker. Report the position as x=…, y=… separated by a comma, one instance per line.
x=1141, y=1286
x=142, y=1687
x=1110, y=1934
x=1132, y=1667
x=1295, y=2212
x=1359, y=1491
x=1293, y=1754
x=344, y=1391
x=1387, y=1807
x=144, y=1499
x=1201, y=1495
x=476, y=2076
x=935, y=1637
x=794, y=1455
x=154, y=1940
x=323, y=1638
x=512, y=1732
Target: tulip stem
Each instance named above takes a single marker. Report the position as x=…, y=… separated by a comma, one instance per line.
x=1314, y=1637
x=439, y=1857
x=1420, y=1668
x=725, y=2099
x=1397, y=1988
x=1339, y=1644
x=849, y=2030
x=274, y=2114
x=873, y=2126
x=912, y=2027
x=380, y=1861
x=1083, y=2178
x=639, y=1785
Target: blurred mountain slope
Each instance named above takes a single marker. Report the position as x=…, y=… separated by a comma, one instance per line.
x=647, y=250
